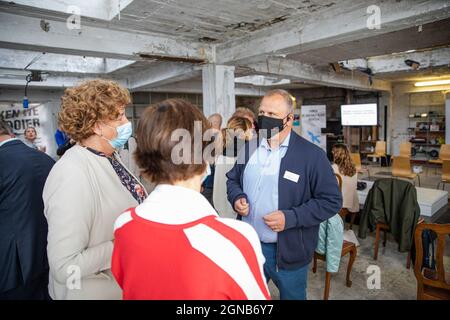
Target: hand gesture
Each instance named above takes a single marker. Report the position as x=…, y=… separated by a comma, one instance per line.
x=241, y=206
x=275, y=221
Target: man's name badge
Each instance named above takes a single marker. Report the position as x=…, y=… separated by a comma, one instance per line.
x=291, y=176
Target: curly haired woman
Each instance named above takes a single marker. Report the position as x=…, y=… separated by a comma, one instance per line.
x=87, y=189
x=344, y=166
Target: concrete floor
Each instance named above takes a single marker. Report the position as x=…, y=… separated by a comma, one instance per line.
x=397, y=282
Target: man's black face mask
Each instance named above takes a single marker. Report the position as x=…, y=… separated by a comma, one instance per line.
x=267, y=124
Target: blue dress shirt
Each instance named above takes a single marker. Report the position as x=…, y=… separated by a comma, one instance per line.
x=261, y=186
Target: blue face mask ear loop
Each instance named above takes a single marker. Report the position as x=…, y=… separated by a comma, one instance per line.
x=101, y=132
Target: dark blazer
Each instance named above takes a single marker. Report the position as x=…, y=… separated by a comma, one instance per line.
x=23, y=227
x=314, y=198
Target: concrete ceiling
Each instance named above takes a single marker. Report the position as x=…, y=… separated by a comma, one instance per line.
x=198, y=20
x=433, y=34
x=419, y=75
x=153, y=44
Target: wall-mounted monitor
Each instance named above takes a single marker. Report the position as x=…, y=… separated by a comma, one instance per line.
x=359, y=114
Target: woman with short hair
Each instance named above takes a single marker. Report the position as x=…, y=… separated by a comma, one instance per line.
x=87, y=189
x=29, y=138
x=238, y=130
x=174, y=245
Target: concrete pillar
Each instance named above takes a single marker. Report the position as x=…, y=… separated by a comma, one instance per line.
x=383, y=101
x=390, y=124
x=399, y=121
x=347, y=131
x=218, y=91
x=447, y=117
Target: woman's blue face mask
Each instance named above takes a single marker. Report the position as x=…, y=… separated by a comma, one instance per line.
x=124, y=133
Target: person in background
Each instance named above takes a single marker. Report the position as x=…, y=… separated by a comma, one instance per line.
x=29, y=138
x=174, y=245
x=344, y=166
x=87, y=189
x=63, y=141
x=23, y=228
x=238, y=130
x=284, y=187
x=66, y=146
x=246, y=113
x=61, y=138
x=215, y=121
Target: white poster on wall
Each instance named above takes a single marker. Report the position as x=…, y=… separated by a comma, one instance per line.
x=34, y=116
x=313, y=119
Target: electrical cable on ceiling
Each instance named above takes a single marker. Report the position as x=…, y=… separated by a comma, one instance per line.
x=34, y=60
x=35, y=76
x=25, y=98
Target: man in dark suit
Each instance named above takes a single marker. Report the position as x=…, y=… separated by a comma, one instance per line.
x=23, y=227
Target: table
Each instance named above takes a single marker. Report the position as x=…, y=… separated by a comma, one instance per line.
x=432, y=202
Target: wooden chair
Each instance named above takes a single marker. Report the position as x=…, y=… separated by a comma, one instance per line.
x=344, y=212
x=356, y=158
x=380, y=151
x=405, y=149
x=347, y=248
x=432, y=284
x=385, y=228
x=445, y=177
x=444, y=154
x=401, y=168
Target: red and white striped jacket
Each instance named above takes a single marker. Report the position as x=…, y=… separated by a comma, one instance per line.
x=174, y=246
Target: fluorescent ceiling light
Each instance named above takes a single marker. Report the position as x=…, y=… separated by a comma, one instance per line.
x=260, y=80
x=432, y=83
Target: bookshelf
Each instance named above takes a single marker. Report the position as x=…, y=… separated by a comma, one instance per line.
x=426, y=131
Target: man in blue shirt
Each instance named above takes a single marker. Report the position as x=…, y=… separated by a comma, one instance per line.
x=284, y=187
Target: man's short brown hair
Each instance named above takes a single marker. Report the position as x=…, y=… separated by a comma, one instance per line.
x=155, y=144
